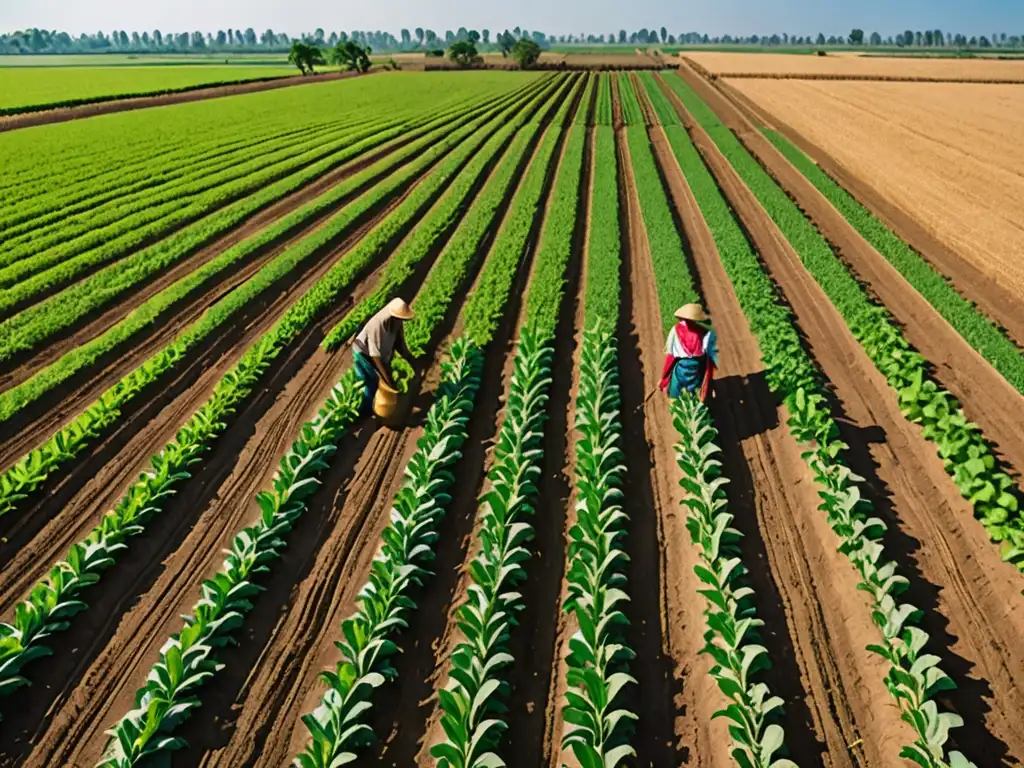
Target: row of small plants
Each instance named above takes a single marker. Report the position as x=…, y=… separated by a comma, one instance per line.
x=603, y=114
x=336, y=727
x=34, y=326
x=189, y=658
x=440, y=287
x=632, y=114
x=583, y=114
x=123, y=244
x=56, y=597
x=913, y=678
x=667, y=257
x=980, y=332
x=368, y=637
x=732, y=636
x=32, y=471
x=137, y=178
x=472, y=702
x=598, y=727
x=965, y=452
x=730, y=615
x=105, y=233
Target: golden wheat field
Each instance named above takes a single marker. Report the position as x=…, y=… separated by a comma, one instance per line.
x=946, y=154
x=875, y=66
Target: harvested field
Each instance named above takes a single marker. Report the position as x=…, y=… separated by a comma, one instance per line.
x=942, y=154
x=769, y=64
x=544, y=228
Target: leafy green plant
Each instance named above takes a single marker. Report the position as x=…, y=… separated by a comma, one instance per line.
x=188, y=659
x=367, y=645
x=791, y=373
x=603, y=113
x=471, y=702
x=967, y=455
x=732, y=639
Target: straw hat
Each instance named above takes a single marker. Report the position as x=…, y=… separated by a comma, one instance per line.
x=399, y=309
x=693, y=312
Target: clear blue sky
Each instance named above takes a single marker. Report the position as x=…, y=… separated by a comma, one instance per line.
x=716, y=17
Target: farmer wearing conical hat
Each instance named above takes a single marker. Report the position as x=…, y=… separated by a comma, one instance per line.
x=691, y=354
x=375, y=346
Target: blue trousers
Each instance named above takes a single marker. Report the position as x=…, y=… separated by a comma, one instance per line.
x=371, y=380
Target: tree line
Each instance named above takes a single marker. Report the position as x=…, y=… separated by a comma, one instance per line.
x=41, y=41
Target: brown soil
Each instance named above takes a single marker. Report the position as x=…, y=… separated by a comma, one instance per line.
x=48, y=117
x=1004, y=306
x=956, y=576
x=988, y=399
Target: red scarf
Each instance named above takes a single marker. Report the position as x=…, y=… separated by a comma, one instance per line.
x=691, y=338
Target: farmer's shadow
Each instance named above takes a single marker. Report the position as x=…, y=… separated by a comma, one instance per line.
x=736, y=397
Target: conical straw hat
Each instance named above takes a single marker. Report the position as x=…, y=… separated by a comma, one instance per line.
x=694, y=312
x=399, y=309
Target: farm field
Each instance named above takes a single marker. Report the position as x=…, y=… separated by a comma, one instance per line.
x=767, y=66
x=542, y=565
x=943, y=154
x=26, y=88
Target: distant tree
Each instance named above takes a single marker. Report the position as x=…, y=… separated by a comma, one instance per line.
x=820, y=39
x=431, y=37
x=198, y=41
x=449, y=36
x=983, y=42
x=526, y=52
x=857, y=37
x=486, y=36
x=929, y=38
x=875, y=39
x=664, y=35
x=918, y=39
x=474, y=36
x=940, y=37
x=464, y=54
x=158, y=38
x=333, y=39
x=145, y=39
x=136, y=41
x=406, y=38
x=222, y=38
x=268, y=38
x=419, y=36
x=250, y=37
x=305, y=57
x=462, y=34
x=671, y=39
x=622, y=36
x=506, y=42
x=351, y=56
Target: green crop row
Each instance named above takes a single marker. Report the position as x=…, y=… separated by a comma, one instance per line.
x=632, y=114
x=603, y=114
x=965, y=452
x=50, y=262
x=548, y=280
x=134, y=231
x=979, y=331
x=75, y=232
x=484, y=307
x=674, y=281
x=913, y=679
x=584, y=112
x=663, y=108
x=32, y=471
x=732, y=636
x=53, y=600
x=32, y=327
x=442, y=284
x=336, y=726
x=22, y=220
x=597, y=675
x=472, y=701
x=158, y=306
x=603, y=288
x=188, y=659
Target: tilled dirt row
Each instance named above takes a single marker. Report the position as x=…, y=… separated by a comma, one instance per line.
x=988, y=399
x=972, y=601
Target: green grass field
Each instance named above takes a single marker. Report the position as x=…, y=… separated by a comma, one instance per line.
x=22, y=88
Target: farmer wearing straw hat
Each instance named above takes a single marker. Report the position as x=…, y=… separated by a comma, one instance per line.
x=375, y=346
x=691, y=354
